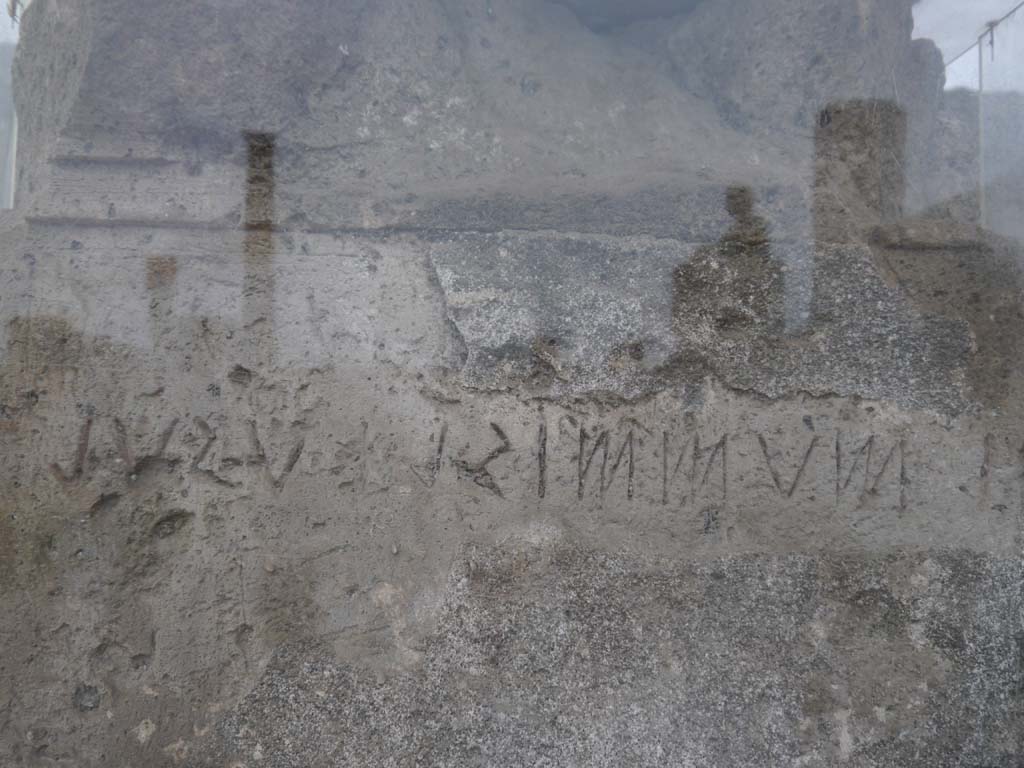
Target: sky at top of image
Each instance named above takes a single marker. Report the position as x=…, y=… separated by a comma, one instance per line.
x=956, y=24
x=952, y=24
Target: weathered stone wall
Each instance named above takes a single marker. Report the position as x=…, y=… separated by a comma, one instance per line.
x=450, y=383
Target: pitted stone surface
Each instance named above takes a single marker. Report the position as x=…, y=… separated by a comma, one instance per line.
x=504, y=382
x=557, y=656
x=571, y=315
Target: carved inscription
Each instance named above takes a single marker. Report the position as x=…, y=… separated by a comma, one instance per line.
x=81, y=453
x=864, y=461
x=259, y=456
x=607, y=474
x=134, y=464
x=542, y=459
x=689, y=458
x=685, y=467
x=429, y=478
x=478, y=472
x=785, y=489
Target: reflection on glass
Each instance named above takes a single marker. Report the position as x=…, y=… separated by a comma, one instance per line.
x=511, y=382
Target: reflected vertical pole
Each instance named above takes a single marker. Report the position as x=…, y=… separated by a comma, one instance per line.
x=982, y=217
x=12, y=163
x=258, y=285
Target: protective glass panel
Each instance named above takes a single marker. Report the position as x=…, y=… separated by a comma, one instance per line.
x=1002, y=115
x=511, y=383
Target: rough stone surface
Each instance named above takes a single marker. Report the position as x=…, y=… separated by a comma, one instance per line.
x=571, y=315
x=608, y=15
x=834, y=51
x=556, y=656
x=505, y=382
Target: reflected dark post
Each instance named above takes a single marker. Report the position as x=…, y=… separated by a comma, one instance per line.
x=859, y=178
x=730, y=295
x=161, y=285
x=258, y=286
x=747, y=228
